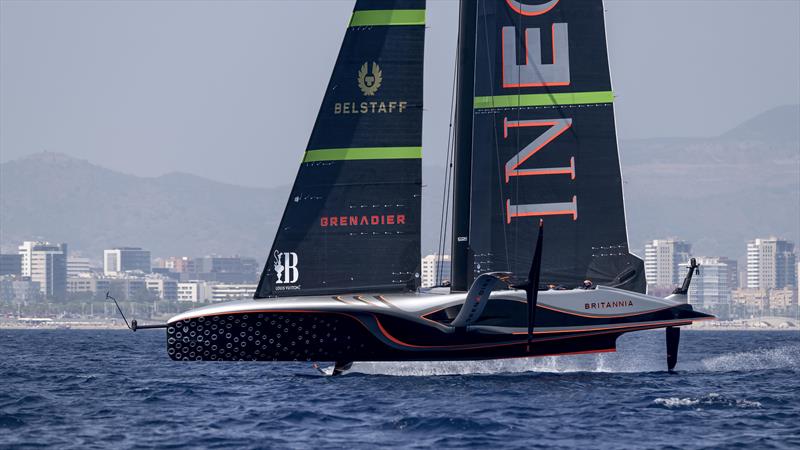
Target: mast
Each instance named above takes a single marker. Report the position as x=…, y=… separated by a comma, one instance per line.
x=465, y=91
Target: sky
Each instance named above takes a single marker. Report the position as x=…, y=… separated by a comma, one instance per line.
x=229, y=90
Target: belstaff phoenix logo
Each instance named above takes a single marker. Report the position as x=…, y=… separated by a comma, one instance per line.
x=369, y=83
x=285, y=266
x=370, y=79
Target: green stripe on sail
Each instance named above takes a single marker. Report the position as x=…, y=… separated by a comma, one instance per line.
x=388, y=17
x=351, y=154
x=569, y=98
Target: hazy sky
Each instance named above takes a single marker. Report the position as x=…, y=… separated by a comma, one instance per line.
x=229, y=90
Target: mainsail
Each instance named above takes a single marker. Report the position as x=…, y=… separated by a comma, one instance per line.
x=352, y=222
x=535, y=138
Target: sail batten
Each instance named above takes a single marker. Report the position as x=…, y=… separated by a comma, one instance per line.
x=386, y=17
x=554, y=99
x=341, y=154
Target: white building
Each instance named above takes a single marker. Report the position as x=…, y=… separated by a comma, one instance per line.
x=221, y=292
x=125, y=259
x=664, y=260
x=771, y=264
x=193, y=291
x=25, y=251
x=435, y=270
x=46, y=264
x=77, y=266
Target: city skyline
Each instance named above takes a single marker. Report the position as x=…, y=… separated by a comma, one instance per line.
x=765, y=284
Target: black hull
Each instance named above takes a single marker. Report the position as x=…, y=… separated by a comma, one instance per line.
x=334, y=336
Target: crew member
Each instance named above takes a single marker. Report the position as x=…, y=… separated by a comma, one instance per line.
x=587, y=284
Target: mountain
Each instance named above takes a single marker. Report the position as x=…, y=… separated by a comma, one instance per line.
x=55, y=197
x=715, y=192
x=778, y=124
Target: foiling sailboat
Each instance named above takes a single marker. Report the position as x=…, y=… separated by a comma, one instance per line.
x=535, y=144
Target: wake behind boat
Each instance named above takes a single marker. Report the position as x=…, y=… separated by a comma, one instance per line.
x=535, y=141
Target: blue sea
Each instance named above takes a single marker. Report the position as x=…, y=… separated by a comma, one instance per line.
x=117, y=389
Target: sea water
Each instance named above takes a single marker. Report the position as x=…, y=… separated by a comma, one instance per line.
x=101, y=389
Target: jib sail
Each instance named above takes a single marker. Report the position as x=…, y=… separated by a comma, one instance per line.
x=542, y=145
x=352, y=222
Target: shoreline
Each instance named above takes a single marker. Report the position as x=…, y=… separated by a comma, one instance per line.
x=66, y=325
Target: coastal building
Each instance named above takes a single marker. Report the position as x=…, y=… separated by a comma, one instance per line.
x=119, y=260
x=233, y=269
x=87, y=283
x=749, y=302
x=219, y=269
x=163, y=288
x=180, y=264
x=166, y=273
x=733, y=271
x=215, y=263
x=435, y=270
x=711, y=288
x=771, y=264
x=6, y=288
x=129, y=289
x=10, y=264
x=18, y=289
x=46, y=264
x=193, y=291
x=125, y=287
x=663, y=262
x=783, y=302
x=77, y=265
x=24, y=252
x=220, y=292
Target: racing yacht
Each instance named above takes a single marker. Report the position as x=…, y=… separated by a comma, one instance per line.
x=535, y=147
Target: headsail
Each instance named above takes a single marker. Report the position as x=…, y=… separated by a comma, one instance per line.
x=543, y=144
x=352, y=222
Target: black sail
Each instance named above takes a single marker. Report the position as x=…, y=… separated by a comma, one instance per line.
x=544, y=146
x=352, y=222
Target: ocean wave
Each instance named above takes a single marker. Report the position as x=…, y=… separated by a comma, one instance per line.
x=445, y=424
x=306, y=416
x=602, y=401
x=712, y=400
x=8, y=421
x=761, y=359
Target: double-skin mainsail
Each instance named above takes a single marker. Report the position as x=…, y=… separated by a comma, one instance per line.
x=535, y=138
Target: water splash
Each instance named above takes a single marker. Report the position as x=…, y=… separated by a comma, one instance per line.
x=641, y=356
x=710, y=401
x=761, y=359
x=611, y=363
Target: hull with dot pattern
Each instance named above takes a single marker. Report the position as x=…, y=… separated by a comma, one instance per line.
x=270, y=337
x=307, y=336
